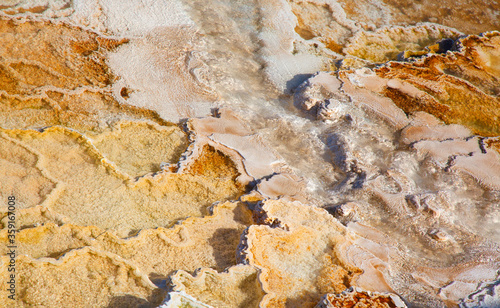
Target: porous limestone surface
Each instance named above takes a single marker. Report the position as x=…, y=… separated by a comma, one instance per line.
x=231, y=153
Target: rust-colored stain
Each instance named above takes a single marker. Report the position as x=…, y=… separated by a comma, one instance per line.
x=460, y=87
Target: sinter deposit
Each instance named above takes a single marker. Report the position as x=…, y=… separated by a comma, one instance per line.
x=268, y=153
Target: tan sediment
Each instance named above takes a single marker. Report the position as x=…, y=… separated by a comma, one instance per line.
x=196, y=242
x=139, y=148
x=37, y=54
x=236, y=287
x=151, y=201
x=387, y=43
x=325, y=256
x=318, y=21
x=458, y=88
x=82, y=277
x=472, y=17
x=55, y=74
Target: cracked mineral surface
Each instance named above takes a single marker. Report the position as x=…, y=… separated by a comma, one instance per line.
x=232, y=153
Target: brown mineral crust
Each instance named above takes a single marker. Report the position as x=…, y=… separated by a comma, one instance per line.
x=317, y=21
x=37, y=54
x=468, y=16
x=55, y=74
x=303, y=253
x=139, y=147
x=209, y=241
x=359, y=299
x=213, y=163
x=72, y=160
x=34, y=216
x=325, y=22
x=52, y=8
x=237, y=287
x=81, y=278
x=302, y=259
x=86, y=111
x=290, y=283
x=458, y=87
x=493, y=143
x=387, y=43
x=99, y=182
x=21, y=175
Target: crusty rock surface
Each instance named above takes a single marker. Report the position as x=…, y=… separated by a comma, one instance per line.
x=357, y=298
x=271, y=153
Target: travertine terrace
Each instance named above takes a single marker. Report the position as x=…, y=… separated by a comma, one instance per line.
x=270, y=153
